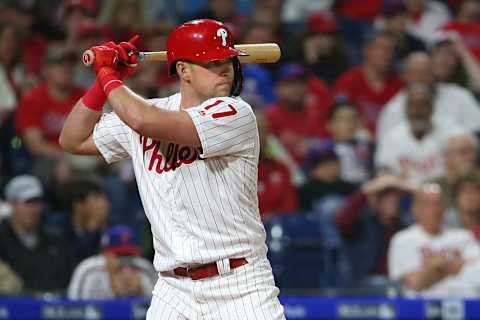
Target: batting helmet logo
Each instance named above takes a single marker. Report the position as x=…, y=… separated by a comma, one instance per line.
x=222, y=33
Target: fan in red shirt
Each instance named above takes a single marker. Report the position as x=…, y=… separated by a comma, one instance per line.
x=301, y=111
x=276, y=193
x=371, y=85
x=43, y=110
x=467, y=24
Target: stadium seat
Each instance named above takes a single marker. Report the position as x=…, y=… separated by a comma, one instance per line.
x=295, y=251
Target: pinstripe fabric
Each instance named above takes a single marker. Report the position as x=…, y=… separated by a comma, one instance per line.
x=246, y=293
x=201, y=202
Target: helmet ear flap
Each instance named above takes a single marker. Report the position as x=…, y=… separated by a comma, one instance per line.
x=237, y=85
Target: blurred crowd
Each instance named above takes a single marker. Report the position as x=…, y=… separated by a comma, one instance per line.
x=368, y=130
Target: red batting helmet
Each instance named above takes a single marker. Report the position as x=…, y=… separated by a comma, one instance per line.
x=204, y=40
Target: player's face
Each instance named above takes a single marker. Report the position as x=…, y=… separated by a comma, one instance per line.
x=212, y=79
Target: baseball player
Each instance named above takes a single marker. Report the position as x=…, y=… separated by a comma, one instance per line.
x=195, y=156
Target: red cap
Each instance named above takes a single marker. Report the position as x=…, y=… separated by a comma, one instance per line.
x=322, y=21
x=200, y=40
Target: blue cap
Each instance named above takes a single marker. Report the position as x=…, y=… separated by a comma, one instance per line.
x=320, y=151
x=291, y=71
x=120, y=240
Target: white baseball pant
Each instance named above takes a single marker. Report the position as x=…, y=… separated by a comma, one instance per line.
x=244, y=293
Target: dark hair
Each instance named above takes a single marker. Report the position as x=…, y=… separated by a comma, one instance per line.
x=79, y=189
x=338, y=106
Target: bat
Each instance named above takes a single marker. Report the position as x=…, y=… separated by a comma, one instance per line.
x=257, y=53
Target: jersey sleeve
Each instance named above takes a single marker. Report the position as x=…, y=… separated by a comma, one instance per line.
x=112, y=138
x=225, y=126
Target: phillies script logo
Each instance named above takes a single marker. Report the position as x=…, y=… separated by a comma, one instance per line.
x=166, y=156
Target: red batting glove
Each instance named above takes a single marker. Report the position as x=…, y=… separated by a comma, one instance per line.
x=105, y=65
x=105, y=56
x=128, y=56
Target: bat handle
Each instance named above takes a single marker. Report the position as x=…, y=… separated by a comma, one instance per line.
x=88, y=57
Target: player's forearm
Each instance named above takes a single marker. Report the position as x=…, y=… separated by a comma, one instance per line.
x=149, y=121
x=78, y=129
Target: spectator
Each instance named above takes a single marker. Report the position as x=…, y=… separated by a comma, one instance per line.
x=352, y=145
x=257, y=81
x=323, y=176
x=118, y=272
x=413, y=149
x=466, y=195
x=356, y=19
x=367, y=220
x=430, y=261
x=460, y=156
x=452, y=62
x=301, y=110
x=10, y=282
x=324, y=52
x=276, y=193
x=12, y=80
x=43, y=110
x=394, y=18
x=157, y=40
x=295, y=12
x=122, y=19
x=88, y=213
x=87, y=35
x=225, y=11
x=21, y=15
x=74, y=14
x=42, y=260
x=465, y=22
x=448, y=97
x=10, y=71
x=425, y=18
x=370, y=85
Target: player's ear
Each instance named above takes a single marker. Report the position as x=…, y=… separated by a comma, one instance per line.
x=183, y=70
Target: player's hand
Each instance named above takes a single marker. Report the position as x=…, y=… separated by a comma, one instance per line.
x=105, y=57
x=128, y=56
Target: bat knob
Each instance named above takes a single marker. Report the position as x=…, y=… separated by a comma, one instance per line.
x=88, y=57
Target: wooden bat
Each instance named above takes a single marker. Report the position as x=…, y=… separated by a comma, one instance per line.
x=257, y=53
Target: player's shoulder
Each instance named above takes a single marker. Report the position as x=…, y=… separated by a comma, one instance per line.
x=237, y=103
x=171, y=102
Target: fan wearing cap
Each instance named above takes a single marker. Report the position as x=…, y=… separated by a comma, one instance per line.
x=195, y=156
x=300, y=113
x=118, y=272
x=323, y=50
x=41, y=259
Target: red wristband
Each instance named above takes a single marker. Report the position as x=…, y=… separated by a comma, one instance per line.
x=109, y=79
x=94, y=98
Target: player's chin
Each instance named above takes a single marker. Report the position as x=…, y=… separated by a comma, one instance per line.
x=223, y=90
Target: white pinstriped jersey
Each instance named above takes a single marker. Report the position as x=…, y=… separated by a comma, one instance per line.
x=201, y=202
